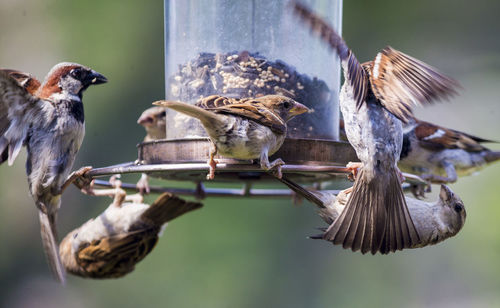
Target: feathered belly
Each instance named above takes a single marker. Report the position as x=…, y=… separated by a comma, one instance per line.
x=246, y=139
x=375, y=134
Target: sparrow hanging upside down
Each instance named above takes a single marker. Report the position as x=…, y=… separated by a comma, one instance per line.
x=375, y=98
x=110, y=245
x=439, y=154
x=433, y=221
x=246, y=128
x=48, y=119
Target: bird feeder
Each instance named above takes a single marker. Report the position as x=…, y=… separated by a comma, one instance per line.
x=246, y=49
x=249, y=49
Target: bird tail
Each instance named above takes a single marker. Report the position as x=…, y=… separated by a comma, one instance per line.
x=320, y=199
x=207, y=118
x=492, y=156
x=50, y=246
x=375, y=218
x=167, y=207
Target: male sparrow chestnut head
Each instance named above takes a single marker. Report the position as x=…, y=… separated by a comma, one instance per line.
x=49, y=120
x=69, y=79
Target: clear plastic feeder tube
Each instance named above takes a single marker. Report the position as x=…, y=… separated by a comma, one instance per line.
x=249, y=49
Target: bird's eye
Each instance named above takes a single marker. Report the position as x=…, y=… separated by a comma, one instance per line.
x=287, y=105
x=163, y=114
x=458, y=207
x=76, y=73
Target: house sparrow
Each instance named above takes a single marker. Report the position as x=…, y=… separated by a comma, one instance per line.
x=154, y=122
x=375, y=98
x=246, y=128
x=50, y=122
x=434, y=222
x=440, y=154
x=110, y=245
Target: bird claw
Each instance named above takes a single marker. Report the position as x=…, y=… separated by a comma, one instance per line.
x=212, y=163
x=78, y=178
x=275, y=168
x=353, y=167
x=419, y=190
x=143, y=185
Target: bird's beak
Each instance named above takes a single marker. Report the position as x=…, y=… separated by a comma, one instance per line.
x=144, y=119
x=298, y=109
x=97, y=78
x=159, y=103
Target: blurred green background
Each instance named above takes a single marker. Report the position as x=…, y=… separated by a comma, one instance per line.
x=250, y=253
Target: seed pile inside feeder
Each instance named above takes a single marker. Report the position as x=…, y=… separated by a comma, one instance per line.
x=247, y=74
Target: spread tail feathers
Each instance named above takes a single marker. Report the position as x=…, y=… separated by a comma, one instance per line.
x=492, y=156
x=167, y=207
x=207, y=118
x=50, y=246
x=375, y=218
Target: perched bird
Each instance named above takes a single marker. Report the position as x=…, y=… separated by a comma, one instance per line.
x=434, y=222
x=110, y=245
x=155, y=123
x=50, y=122
x=375, y=98
x=440, y=154
x=246, y=128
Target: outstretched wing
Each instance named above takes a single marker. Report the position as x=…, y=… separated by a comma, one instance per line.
x=437, y=138
x=248, y=108
x=400, y=82
x=115, y=256
x=18, y=109
x=25, y=80
x=353, y=70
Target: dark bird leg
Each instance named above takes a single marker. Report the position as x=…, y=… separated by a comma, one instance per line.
x=72, y=177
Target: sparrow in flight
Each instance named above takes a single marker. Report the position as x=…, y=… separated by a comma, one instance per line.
x=376, y=97
x=48, y=119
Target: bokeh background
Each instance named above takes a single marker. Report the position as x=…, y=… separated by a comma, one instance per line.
x=251, y=253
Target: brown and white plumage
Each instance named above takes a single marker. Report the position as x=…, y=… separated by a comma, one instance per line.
x=440, y=154
x=434, y=221
x=154, y=121
x=110, y=245
x=246, y=128
x=49, y=121
x=398, y=81
x=374, y=99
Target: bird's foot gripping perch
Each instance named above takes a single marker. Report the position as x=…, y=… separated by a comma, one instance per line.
x=77, y=177
x=212, y=163
x=353, y=167
x=117, y=193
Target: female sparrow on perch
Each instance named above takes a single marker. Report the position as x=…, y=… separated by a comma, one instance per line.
x=246, y=128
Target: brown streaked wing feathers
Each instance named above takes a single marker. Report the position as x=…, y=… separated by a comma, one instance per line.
x=401, y=82
x=116, y=256
x=447, y=139
x=247, y=107
x=375, y=218
x=355, y=73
